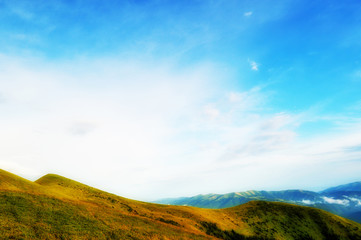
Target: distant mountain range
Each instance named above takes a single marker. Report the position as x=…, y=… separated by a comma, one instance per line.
x=55, y=207
x=343, y=200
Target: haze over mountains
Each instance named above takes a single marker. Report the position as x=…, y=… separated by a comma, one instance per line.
x=343, y=200
x=55, y=207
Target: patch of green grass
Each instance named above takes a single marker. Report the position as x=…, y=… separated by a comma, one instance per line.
x=213, y=230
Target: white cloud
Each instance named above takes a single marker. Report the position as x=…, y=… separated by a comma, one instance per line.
x=248, y=14
x=81, y=127
x=307, y=202
x=235, y=97
x=356, y=200
x=127, y=114
x=211, y=112
x=336, y=201
x=254, y=65
x=251, y=99
x=143, y=129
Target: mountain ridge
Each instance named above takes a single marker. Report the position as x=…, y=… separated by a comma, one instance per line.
x=343, y=200
x=349, y=187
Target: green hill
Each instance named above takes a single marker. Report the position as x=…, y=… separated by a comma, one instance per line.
x=55, y=207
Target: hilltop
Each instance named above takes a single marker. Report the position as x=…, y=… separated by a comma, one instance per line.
x=55, y=207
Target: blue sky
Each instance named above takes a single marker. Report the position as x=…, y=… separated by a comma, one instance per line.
x=165, y=99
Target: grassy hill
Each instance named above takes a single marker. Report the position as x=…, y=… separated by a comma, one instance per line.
x=55, y=207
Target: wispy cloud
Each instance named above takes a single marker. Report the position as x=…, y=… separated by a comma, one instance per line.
x=254, y=65
x=248, y=14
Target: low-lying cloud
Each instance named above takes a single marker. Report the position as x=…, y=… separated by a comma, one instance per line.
x=344, y=202
x=357, y=201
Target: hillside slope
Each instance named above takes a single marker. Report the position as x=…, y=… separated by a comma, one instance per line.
x=59, y=208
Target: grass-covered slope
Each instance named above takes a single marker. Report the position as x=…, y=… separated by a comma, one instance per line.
x=55, y=207
x=287, y=221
